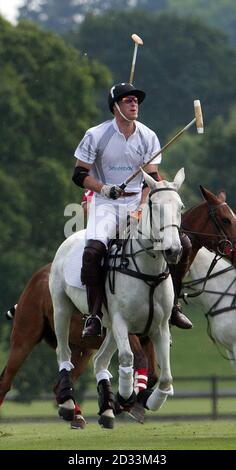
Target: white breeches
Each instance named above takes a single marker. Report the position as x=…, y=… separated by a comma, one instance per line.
x=107, y=218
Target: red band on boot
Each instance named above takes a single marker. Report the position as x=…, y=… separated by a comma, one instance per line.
x=77, y=409
x=140, y=379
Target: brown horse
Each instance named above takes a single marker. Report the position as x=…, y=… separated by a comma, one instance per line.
x=211, y=224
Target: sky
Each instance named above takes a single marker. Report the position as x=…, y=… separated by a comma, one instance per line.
x=8, y=9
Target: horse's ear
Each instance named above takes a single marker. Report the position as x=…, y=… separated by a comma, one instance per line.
x=179, y=178
x=210, y=197
x=204, y=192
x=149, y=180
x=222, y=196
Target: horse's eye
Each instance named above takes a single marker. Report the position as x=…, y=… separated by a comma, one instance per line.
x=226, y=221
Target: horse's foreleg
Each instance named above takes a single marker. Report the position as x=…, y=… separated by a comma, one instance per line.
x=232, y=356
x=144, y=363
x=63, y=310
x=62, y=319
x=149, y=351
x=80, y=359
x=106, y=399
x=161, y=341
x=126, y=380
x=103, y=357
x=140, y=364
x=25, y=335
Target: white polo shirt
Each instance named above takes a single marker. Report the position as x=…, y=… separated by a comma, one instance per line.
x=113, y=157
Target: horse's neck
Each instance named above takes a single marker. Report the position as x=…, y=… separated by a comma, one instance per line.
x=195, y=224
x=219, y=284
x=194, y=251
x=148, y=259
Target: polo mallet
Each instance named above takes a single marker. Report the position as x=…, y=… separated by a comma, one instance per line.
x=198, y=119
x=137, y=42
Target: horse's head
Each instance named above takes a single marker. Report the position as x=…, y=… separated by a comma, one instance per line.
x=162, y=216
x=223, y=221
x=212, y=224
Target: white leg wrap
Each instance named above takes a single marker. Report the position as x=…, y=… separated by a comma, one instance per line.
x=126, y=381
x=103, y=375
x=158, y=398
x=66, y=365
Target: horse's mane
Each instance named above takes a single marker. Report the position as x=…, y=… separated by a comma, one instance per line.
x=193, y=208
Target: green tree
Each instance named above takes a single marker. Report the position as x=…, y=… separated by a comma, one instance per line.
x=208, y=160
x=48, y=98
x=15, y=230
x=58, y=15
x=61, y=16
x=181, y=60
x=221, y=13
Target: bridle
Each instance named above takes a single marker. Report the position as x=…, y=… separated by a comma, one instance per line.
x=225, y=247
x=150, y=205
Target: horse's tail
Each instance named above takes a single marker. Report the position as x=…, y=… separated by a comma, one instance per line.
x=11, y=312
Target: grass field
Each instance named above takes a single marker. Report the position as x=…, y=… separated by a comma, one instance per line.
x=40, y=433
x=220, y=435
x=192, y=354
x=47, y=409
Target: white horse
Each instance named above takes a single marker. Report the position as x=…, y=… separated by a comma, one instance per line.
x=219, y=298
x=145, y=289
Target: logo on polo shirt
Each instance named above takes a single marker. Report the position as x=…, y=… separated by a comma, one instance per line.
x=120, y=168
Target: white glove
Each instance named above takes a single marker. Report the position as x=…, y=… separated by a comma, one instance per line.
x=111, y=191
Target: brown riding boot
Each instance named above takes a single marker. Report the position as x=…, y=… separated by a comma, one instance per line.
x=179, y=319
x=92, y=274
x=93, y=324
x=177, y=273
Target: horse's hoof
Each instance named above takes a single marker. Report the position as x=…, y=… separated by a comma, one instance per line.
x=78, y=422
x=66, y=414
x=137, y=412
x=106, y=422
x=126, y=404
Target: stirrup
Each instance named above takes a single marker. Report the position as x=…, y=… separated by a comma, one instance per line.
x=92, y=327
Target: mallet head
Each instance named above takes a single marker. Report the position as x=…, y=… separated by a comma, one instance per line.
x=137, y=42
x=198, y=117
x=137, y=39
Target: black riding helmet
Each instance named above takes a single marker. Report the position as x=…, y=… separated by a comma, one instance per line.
x=120, y=90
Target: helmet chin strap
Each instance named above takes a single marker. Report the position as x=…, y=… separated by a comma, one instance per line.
x=118, y=109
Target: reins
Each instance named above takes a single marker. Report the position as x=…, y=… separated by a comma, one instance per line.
x=190, y=284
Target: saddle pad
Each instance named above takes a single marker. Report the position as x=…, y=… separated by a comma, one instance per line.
x=73, y=261
x=73, y=264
